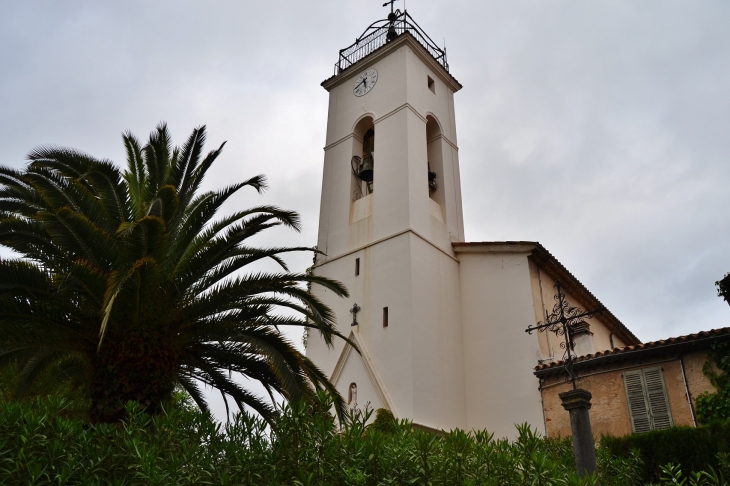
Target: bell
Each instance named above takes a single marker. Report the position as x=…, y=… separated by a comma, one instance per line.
x=391, y=35
x=366, y=168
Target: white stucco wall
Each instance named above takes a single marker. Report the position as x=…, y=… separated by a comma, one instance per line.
x=499, y=357
x=599, y=338
x=406, y=259
x=398, y=104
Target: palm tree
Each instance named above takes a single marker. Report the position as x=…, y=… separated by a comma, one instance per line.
x=127, y=287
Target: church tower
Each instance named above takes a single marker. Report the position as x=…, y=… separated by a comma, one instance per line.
x=440, y=322
x=390, y=214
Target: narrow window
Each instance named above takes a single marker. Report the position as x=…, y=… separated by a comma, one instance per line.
x=648, y=401
x=357, y=267
x=385, y=317
x=431, y=85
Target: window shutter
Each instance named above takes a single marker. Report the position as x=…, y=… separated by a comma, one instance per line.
x=657, y=397
x=638, y=410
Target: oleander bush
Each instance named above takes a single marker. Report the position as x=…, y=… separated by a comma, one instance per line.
x=40, y=444
x=695, y=449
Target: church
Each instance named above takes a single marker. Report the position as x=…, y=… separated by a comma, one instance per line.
x=439, y=321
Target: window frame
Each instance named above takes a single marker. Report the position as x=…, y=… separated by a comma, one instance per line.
x=647, y=399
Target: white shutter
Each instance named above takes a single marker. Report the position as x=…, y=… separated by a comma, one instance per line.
x=656, y=394
x=638, y=410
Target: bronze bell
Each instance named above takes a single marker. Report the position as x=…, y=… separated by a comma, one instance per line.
x=366, y=168
x=392, y=34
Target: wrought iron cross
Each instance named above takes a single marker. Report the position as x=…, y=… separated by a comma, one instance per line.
x=355, y=309
x=562, y=321
x=391, y=2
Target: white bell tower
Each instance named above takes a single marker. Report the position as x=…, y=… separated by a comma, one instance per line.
x=388, y=234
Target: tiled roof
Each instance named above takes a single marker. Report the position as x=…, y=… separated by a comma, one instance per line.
x=690, y=340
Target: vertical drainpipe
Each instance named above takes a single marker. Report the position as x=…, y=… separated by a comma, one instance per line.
x=686, y=389
x=542, y=405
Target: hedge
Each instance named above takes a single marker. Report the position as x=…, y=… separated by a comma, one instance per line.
x=41, y=444
x=694, y=449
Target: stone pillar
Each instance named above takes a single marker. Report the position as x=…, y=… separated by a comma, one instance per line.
x=577, y=403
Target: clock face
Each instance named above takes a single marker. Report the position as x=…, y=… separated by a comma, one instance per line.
x=365, y=82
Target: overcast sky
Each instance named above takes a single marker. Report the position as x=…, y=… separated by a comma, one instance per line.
x=600, y=129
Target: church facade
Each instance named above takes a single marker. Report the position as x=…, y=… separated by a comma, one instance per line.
x=439, y=322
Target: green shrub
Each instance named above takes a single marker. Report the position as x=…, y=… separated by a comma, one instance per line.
x=694, y=449
x=384, y=421
x=39, y=444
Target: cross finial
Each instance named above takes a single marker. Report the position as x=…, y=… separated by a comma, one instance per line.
x=355, y=309
x=562, y=321
x=390, y=2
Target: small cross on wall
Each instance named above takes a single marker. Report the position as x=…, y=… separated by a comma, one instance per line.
x=355, y=309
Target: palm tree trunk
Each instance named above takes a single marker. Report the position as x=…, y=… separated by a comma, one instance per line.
x=133, y=365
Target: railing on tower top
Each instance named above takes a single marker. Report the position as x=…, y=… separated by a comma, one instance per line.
x=377, y=36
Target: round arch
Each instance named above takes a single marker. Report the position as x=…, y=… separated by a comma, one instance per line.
x=433, y=126
x=363, y=124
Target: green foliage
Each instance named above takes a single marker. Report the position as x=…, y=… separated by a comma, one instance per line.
x=695, y=449
x=304, y=446
x=716, y=406
x=672, y=474
x=128, y=286
x=384, y=421
x=723, y=288
x=40, y=444
x=713, y=406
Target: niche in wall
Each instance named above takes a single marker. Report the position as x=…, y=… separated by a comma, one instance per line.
x=435, y=161
x=363, y=158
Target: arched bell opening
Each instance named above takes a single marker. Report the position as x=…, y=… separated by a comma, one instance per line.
x=435, y=160
x=363, y=158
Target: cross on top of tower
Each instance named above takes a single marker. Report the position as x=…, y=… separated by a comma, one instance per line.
x=396, y=24
x=391, y=2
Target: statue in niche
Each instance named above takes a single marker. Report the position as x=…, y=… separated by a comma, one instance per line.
x=352, y=396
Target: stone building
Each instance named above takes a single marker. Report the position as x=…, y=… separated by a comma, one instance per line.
x=635, y=388
x=439, y=322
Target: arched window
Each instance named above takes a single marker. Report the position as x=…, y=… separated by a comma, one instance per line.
x=435, y=160
x=363, y=158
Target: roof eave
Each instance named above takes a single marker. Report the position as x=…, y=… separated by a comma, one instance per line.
x=623, y=354
x=551, y=266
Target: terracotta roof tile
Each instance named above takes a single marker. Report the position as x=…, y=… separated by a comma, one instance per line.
x=725, y=331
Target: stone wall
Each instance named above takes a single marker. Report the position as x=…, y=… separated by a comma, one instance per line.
x=609, y=413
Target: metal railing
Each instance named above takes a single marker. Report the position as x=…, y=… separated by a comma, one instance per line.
x=377, y=35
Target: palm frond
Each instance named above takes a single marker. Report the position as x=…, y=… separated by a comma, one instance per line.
x=130, y=284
